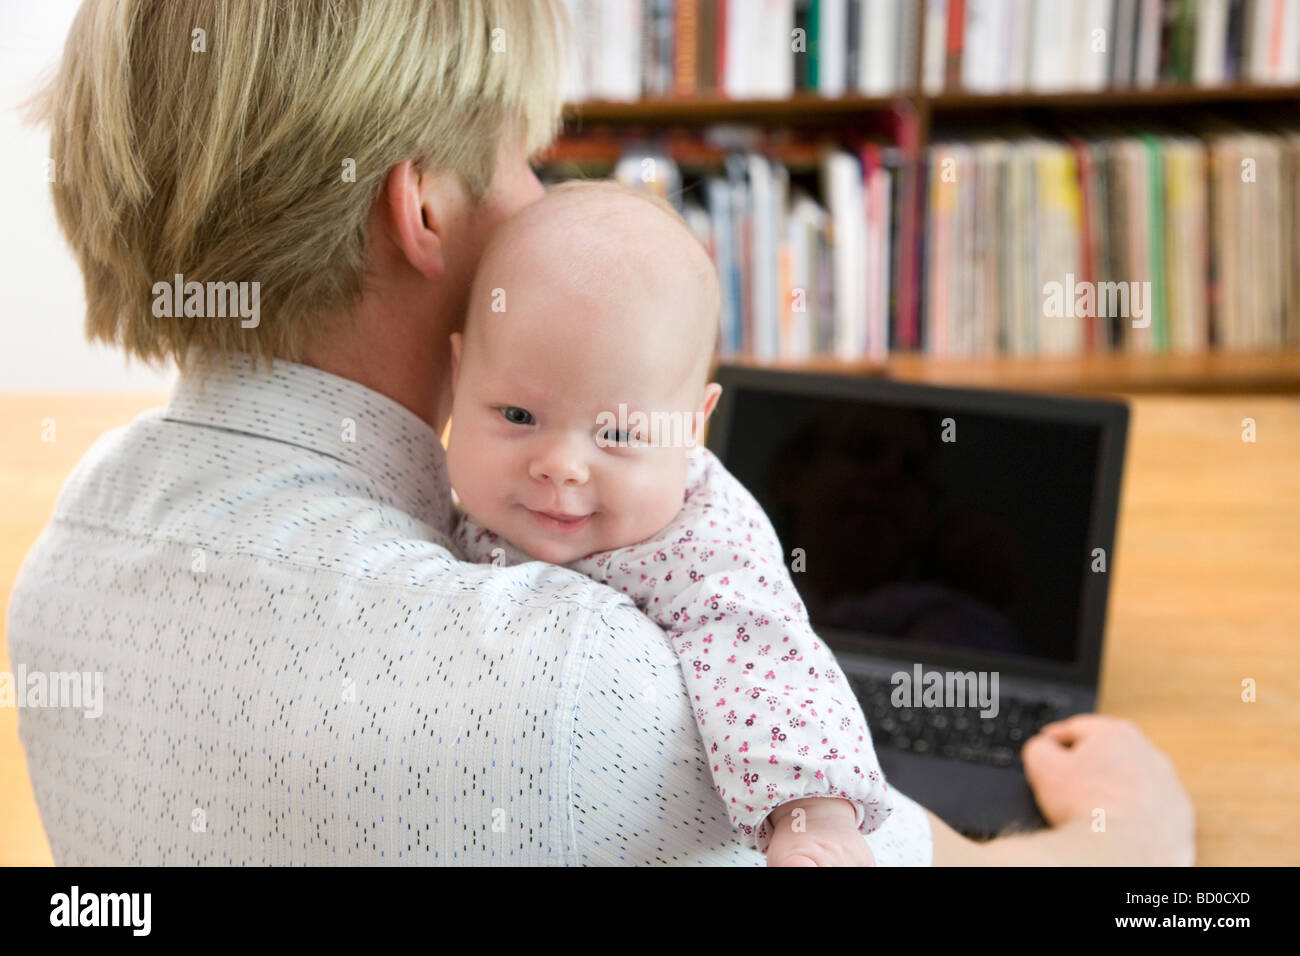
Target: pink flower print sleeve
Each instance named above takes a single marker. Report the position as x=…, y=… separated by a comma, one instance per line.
x=777, y=718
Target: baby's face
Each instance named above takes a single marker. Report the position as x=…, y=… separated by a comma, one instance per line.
x=536, y=418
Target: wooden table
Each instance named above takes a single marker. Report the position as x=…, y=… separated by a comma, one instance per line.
x=1206, y=595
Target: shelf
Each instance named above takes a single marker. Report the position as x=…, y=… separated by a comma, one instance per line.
x=805, y=107
x=1209, y=372
x=603, y=150
x=1112, y=98
x=709, y=108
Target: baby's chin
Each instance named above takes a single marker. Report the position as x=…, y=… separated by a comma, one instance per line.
x=552, y=548
x=560, y=556
x=540, y=548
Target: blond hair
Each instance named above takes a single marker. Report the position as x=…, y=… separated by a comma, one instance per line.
x=213, y=139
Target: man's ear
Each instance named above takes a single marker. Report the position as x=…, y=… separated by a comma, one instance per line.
x=413, y=219
x=712, y=392
x=457, y=343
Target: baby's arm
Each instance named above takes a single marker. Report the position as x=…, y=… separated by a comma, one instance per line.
x=778, y=720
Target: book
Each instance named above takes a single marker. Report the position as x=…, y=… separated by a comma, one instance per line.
x=880, y=46
x=954, y=44
x=685, y=47
x=1210, y=67
x=842, y=184
x=1124, y=38
x=934, y=56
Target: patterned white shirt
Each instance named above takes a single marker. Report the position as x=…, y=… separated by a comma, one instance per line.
x=297, y=667
x=777, y=718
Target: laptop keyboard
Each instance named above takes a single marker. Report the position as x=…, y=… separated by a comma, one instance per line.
x=959, y=733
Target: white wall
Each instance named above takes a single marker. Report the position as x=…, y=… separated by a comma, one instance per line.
x=40, y=285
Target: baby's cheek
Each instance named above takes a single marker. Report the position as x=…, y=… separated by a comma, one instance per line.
x=466, y=474
x=659, y=501
x=456, y=467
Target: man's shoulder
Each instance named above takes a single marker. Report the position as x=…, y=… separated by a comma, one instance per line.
x=237, y=494
x=302, y=516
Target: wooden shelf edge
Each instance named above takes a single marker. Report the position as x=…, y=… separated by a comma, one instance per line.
x=1208, y=372
x=1127, y=97
x=710, y=107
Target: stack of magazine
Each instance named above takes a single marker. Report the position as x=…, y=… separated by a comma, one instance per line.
x=1128, y=241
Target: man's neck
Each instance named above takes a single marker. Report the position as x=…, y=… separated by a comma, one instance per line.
x=404, y=361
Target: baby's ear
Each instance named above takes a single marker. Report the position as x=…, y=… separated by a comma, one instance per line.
x=457, y=341
x=712, y=391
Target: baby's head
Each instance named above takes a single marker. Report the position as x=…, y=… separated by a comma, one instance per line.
x=581, y=379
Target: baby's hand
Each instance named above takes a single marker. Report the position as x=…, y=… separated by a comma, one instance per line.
x=825, y=833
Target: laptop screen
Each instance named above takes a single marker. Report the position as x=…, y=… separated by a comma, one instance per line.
x=926, y=526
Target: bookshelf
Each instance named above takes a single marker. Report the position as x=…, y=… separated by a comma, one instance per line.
x=921, y=114
x=1202, y=373
x=1207, y=372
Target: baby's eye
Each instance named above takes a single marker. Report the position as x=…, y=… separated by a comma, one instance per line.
x=612, y=437
x=516, y=415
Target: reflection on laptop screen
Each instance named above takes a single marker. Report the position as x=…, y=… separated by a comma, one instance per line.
x=978, y=544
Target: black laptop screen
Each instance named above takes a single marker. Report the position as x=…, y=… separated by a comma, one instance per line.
x=978, y=543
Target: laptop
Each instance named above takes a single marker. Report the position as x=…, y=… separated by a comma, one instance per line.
x=954, y=548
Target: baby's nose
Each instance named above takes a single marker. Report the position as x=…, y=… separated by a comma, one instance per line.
x=561, y=464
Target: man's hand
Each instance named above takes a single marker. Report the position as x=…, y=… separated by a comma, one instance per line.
x=817, y=831
x=1092, y=762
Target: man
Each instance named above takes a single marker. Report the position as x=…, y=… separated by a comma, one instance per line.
x=296, y=667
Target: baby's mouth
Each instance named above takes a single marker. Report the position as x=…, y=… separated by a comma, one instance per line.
x=558, y=521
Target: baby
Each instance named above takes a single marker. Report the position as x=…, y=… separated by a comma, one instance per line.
x=581, y=388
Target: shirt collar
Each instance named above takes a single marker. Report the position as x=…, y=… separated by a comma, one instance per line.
x=329, y=415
